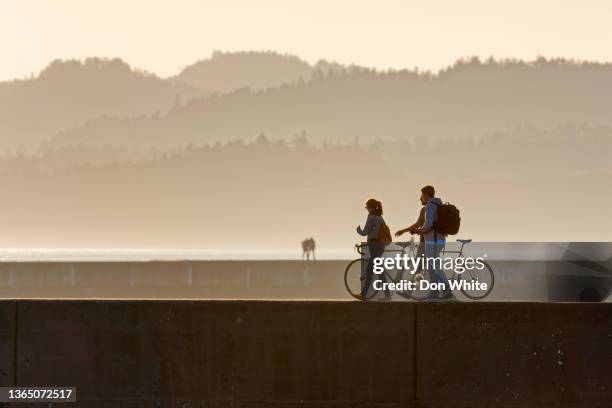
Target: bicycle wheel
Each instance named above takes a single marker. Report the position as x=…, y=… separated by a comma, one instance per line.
x=480, y=276
x=417, y=293
x=353, y=275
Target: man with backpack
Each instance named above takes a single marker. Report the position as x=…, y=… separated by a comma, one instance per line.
x=434, y=231
x=439, y=220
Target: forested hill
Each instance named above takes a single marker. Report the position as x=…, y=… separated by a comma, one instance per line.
x=69, y=93
x=468, y=99
x=228, y=71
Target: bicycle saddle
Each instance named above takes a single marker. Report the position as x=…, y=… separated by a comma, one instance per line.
x=403, y=244
x=464, y=241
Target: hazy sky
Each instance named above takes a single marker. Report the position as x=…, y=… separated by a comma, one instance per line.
x=163, y=36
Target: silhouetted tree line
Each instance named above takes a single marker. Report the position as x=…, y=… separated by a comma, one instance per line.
x=104, y=102
x=521, y=152
x=468, y=99
x=221, y=194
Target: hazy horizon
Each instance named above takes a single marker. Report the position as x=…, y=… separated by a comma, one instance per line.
x=167, y=144
x=242, y=151
x=399, y=35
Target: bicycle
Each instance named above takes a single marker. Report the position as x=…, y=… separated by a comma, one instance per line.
x=482, y=276
x=353, y=274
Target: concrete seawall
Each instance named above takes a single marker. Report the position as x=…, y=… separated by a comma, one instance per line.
x=318, y=354
x=515, y=280
x=173, y=279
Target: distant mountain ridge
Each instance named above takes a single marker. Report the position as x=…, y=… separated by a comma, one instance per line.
x=225, y=72
x=105, y=102
x=68, y=93
x=469, y=99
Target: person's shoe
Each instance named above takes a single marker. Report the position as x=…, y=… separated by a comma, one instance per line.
x=432, y=297
x=358, y=297
x=446, y=295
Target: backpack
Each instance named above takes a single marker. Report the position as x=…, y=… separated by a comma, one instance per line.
x=448, y=220
x=384, y=234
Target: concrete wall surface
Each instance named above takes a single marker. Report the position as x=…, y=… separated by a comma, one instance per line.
x=538, y=281
x=514, y=354
x=7, y=342
x=310, y=353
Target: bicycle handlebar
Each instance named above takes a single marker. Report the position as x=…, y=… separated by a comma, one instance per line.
x=359, y=247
